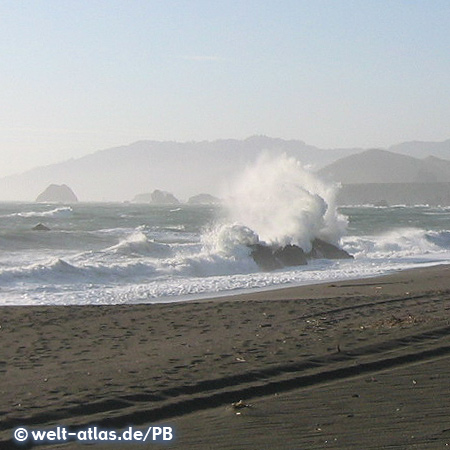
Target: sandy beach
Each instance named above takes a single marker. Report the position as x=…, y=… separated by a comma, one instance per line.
x=353, y=364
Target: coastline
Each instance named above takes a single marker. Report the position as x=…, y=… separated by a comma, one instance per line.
x=185, y=363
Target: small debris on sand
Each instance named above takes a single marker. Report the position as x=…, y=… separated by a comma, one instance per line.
x=240, y=405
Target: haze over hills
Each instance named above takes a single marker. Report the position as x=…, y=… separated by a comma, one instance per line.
x=382, y=166
x=187, y=169
x=421, y=149
x=380, y=177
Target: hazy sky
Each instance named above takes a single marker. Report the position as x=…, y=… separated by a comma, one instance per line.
x=79, y=76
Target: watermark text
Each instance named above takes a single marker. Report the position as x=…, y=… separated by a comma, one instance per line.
x=94, y=434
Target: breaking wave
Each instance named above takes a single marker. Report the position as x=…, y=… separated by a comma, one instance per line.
x=65, y=211
x=282, y=203
x=127, y=254
x=138, y=244
x=398, y=243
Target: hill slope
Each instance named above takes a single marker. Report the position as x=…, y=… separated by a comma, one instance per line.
x=185, y=169
x=422, y=149
x=382, y=166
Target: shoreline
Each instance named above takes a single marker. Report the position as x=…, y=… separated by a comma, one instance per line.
x=186, y=362
x=320, y=289
x=248, y=292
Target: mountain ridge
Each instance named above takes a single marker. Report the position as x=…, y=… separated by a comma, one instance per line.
x=383, y=166
x=184, y=168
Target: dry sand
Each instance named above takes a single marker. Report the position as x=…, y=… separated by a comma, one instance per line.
x=357, y=364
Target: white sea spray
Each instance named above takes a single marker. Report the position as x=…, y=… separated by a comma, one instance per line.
x=115, y=253
x=282, y=203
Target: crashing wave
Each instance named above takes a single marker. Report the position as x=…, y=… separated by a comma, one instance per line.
x=65, y=211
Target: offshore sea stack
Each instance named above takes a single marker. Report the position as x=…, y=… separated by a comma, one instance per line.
x=56, y=193
x=272, y=258
x=204, y=199
x=157, y=197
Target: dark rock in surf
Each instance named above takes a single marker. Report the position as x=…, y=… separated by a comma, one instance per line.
x=291, y=255
x=321, y=249
x=56, y=193
x=272, y=258
x=269, y=258
x=264, y=257
x=40, y=227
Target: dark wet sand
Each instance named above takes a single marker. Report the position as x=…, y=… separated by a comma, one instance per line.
x=354, y=364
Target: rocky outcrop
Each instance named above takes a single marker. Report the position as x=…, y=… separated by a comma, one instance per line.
x=203, y=199
x=40, y=227
x=291, y=255
x=56, y=193
x=142, y=198
x=163, y=198
x=321, y=249
x=264, y=257
x=157, y=197
x=272, y=258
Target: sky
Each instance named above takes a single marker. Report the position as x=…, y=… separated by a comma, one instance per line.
x=80, y=76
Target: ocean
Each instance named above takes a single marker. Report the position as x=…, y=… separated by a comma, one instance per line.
x=125, y=253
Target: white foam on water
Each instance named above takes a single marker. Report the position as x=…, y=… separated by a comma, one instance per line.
x=137, y=244
x=141, y=259
x=398, y=243
x=65, y=211
x=282, y=203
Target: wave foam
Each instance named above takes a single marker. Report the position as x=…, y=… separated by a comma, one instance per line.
x=399, y=243
x=57, y=212
x=285, y=204
x=137, y=244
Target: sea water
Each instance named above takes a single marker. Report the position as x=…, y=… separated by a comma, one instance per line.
x=135, y=253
